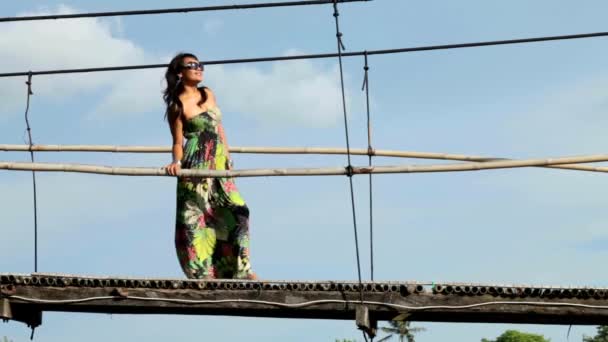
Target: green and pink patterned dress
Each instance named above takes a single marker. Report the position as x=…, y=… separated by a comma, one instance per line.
x=212, y=219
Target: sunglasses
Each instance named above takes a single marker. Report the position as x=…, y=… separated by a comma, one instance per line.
x=194, y=65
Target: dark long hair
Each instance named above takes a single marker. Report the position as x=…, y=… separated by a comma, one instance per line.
x=175, y=87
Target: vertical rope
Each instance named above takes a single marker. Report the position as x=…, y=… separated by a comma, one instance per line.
x=349, y=168
x=30, y=142
x=370, y=153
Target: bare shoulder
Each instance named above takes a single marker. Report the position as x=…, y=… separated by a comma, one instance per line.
x=210, y=94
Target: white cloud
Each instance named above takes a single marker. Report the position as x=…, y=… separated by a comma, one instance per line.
x=76, y=43
x=293, y=91
x=289, y=91
x=84, y=42
x=132, y=93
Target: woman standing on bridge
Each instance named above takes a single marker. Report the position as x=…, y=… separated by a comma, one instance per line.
x=212, y=219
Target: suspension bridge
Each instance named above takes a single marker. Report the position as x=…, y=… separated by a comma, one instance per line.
x=24, y=297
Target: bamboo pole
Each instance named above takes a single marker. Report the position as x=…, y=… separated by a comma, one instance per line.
x=233, y=149
x=86, y=148
x=329, y=171
x=283, y=150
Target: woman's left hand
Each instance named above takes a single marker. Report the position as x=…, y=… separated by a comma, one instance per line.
x=173, y=168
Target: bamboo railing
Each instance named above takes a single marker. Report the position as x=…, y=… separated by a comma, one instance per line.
x=287, y=150
x=280, y=150
x=328, y=171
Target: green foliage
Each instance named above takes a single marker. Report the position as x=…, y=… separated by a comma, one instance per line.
x=517, y=336
x=345, y=340
x=5, y=339
x=601, y=336
x=402, y=330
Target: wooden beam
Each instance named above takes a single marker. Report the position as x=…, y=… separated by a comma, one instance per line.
x=318, y=299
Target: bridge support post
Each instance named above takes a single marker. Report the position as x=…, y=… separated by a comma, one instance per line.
x=5, y=310
x=365, y=322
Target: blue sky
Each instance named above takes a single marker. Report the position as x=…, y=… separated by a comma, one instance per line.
x=533, y=226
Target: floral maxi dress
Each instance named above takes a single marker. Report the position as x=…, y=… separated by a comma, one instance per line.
x=212, y=219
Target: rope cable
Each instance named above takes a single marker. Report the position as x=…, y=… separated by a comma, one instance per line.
x=349, y=168
x=304, y=304
x=31, y=143
x=170, y=10
x=370, y=153
x=325, y=55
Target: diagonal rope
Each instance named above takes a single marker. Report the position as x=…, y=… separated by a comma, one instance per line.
x=349, y=168
x=30, y=142
x=370, y=153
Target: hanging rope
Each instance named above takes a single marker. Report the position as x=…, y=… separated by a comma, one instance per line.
x=31, y=143
x=349, y=168
x=370, y=153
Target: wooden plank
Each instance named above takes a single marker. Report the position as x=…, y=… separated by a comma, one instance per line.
x=318, y=300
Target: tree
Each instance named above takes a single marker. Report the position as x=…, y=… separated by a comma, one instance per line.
x=517, y=336
x=401, y=329
x=601, y=336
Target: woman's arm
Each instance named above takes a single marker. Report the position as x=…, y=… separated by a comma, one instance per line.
x=175, y=125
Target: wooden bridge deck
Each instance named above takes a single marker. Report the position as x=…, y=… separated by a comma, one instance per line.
x=25, y=297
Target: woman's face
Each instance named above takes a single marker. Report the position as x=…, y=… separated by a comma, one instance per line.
x=192, y=71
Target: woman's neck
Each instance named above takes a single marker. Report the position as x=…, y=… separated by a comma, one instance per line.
x=190, y=90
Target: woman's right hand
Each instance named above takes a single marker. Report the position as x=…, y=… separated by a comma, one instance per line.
x=173, y=168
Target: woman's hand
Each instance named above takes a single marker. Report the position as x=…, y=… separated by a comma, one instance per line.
x=173, y=168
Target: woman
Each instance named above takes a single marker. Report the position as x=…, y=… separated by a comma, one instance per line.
x=212, y=219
